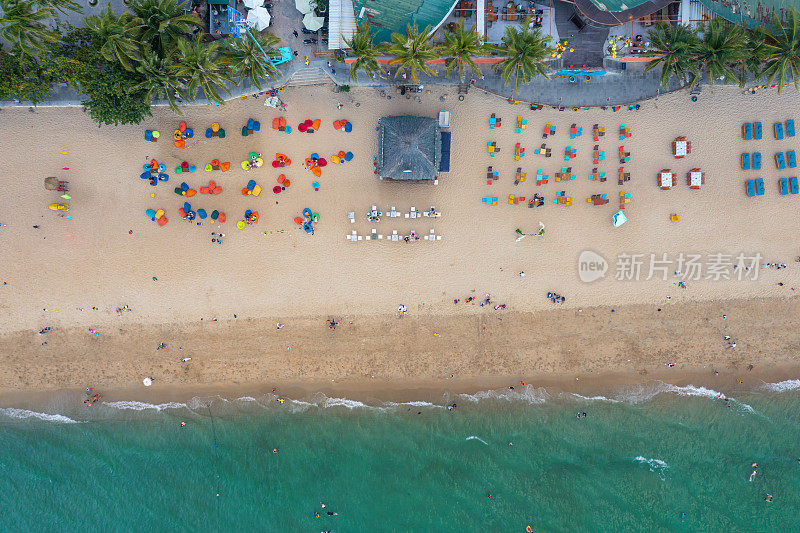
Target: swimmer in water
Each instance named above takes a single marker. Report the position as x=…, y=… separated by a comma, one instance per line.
x=768, y=498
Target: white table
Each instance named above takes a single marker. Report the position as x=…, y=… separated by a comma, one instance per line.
x=665, y=180
x=680, y=148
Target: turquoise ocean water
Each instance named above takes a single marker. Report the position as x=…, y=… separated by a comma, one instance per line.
x=654, y=457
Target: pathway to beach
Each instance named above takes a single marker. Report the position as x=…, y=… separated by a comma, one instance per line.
x=56, y=271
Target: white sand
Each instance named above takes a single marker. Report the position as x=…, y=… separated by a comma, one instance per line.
x=67, y=267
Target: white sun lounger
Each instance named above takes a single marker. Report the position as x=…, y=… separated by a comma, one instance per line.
x=352, y=216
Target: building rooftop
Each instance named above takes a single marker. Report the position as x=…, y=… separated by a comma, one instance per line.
x=409, y=148
x=390, y=16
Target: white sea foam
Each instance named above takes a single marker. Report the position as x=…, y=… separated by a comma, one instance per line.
x=475, y=437
x=594, y=398
x=341, y=402
x=783, y=386
x=246, y=399
x=141, y=406
x=528, y=393
x=655, y=465
x=13, y=412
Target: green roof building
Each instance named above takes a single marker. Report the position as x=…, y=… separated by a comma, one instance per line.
x=390, y=16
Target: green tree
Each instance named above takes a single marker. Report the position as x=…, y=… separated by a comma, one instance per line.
x=199, y=64
x=163, y=23
x=412, y=51
x=460, y=46
x=246, y=60
x=159, y=79
x=23, y=78
x=781, y=51
x=721, y=50
x=62, y=6
x=674, y=49
x=118, y=35
x=365, y=51
x=527, y=52
x=22, y=24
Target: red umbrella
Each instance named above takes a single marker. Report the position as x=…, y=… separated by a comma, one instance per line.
x=276, y=189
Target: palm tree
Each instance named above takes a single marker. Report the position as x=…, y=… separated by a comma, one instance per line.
x=721, y=50
x=118, y=36
x=246, y=60
x=459, y=47
x=199, y=65
x=365, y=51
x=412, y=51
x=62, y=6
x=526, y=51
x=756, y=53
x=781, y=51
x=163, y=22
x=674, y=48
x=23, y=26
x=160, y=78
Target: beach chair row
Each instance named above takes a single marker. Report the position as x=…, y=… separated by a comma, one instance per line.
x=394, y=237
x=779, y=129
x=756, y=160
x=752, y=131
x=536, y=200
x=780, y=160
x=788, y=185
x=755, y=187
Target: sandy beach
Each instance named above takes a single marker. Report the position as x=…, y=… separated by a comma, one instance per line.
x=71, y=275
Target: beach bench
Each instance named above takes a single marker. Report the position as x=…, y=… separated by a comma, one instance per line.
x=760, y=186
x=751, y=188
x=779, y=131
x=541, y=177
x=747, y=131
x=756, y=160
x=790, y=128
x=745, y=161
x=790, y=155
x=793, y=185
x=757, y=134
x=351, y=216
x=494, y=122
x=780, y=161
x=783, y=184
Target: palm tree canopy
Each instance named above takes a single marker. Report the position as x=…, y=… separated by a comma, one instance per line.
x=674, y=48
x=163, y=22
x=160, y=78
x=246, y=60
x=526, y=51
x=460, y=46
x=721, y=50
x=781, y=51
x=365, y=51
x=23, y=26
x=62, y=6
x=118, y=35
x=199, y=65
x=412, y=51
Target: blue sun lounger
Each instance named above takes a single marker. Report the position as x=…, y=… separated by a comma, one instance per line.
x=747, y=131
x=756, y=160
x=790, y=128
x=751, y=188
x=793, y=185
x=790, y=155
x=757, y=131
x=779, y=130
x=780, y=161
x=760, y=186
x=745, y=161
x=783, y=183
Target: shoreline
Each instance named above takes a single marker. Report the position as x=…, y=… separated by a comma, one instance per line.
x=371, y=359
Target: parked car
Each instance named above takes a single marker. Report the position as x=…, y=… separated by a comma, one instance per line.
x=308, y=32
